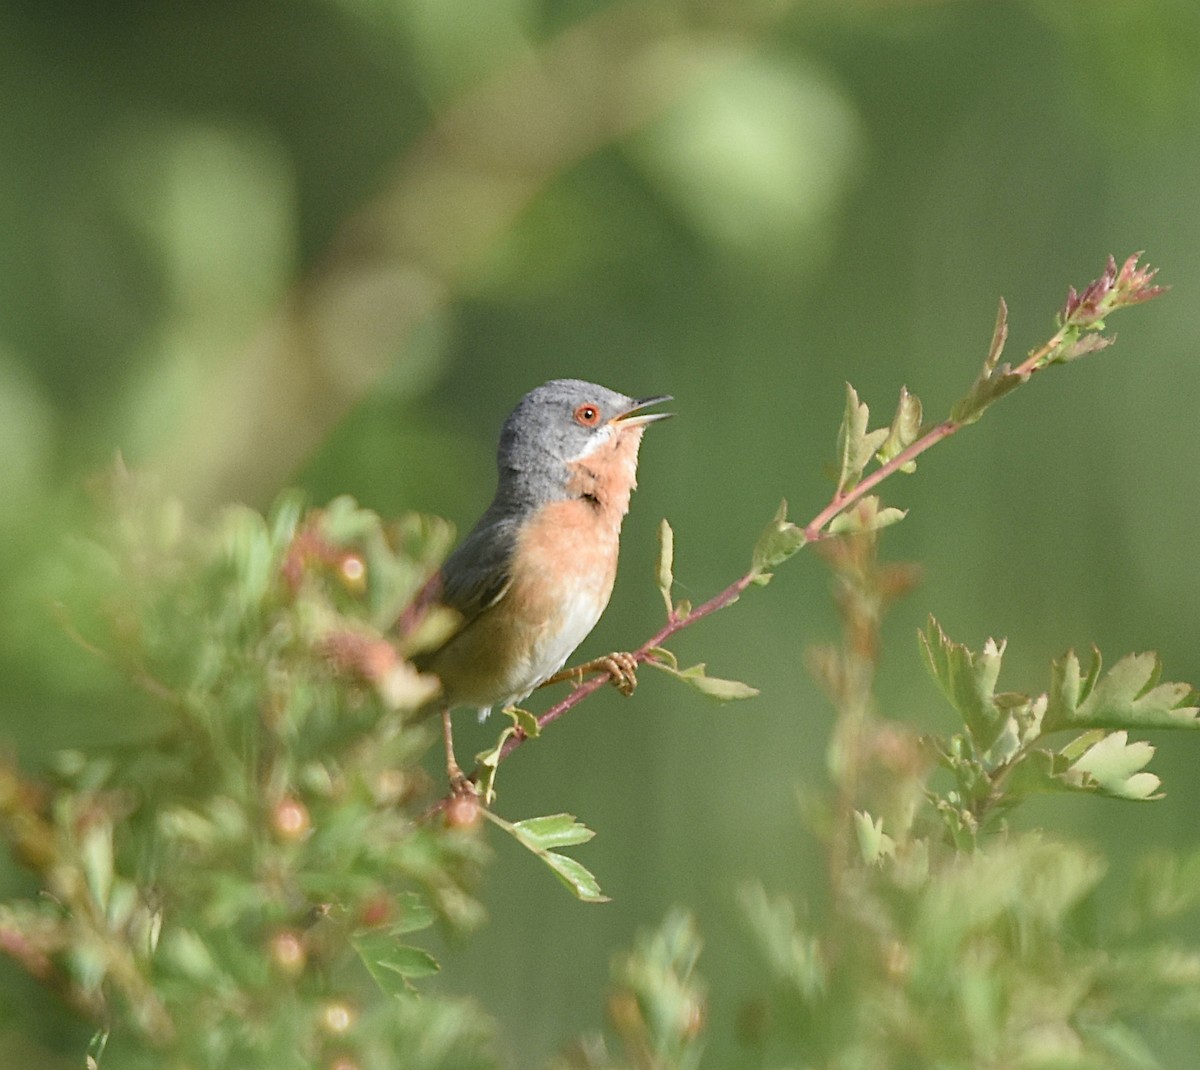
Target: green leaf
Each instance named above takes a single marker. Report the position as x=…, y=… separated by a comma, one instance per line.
x=538, y=834
x=983, y=394
x=779, y=540
x=994, y=379
x=664, y=574
x=967, y=679
x=580, y=880
x=391, y=964
x=526, y=721
x=1039, y=771
x=1116, y=766
x=410, y=961
x=856, y=444
x=1127, y=696
x=488, y=761
x=661, y=653
x=906, y=426
x=554, y=830
x=713, y=686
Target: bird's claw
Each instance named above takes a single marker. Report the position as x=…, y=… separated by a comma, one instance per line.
x=621, y=666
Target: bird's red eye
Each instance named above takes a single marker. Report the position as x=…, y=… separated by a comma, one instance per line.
x=587, y=415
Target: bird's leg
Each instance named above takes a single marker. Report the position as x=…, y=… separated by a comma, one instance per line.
x=459, y=784
x=620, y=666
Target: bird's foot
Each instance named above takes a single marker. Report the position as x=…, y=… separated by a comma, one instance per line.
x=621, y=667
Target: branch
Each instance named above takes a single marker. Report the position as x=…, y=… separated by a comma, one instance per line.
x=1079, y=325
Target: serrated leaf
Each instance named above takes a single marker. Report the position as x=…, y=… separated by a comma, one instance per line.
x=581, y=881
x=1116, y=766
x=967, y=679
x=906, y=426
x=1127, y=696
x=856, y=444
x=553, y=830
x=391, y=964
x=779, y=540
x=1038, y=771
x=713, y=686
x=1045, y=771
x=664, y=574
x=537, y=834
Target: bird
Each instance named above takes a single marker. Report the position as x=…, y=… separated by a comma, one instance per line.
x=531, y=579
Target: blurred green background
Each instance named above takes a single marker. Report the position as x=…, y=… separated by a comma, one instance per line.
x=263, y=243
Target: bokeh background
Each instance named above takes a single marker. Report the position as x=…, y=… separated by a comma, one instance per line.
x=263, y=243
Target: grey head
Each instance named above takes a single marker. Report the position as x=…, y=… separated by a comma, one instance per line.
x=559, y=422
x=555, y=424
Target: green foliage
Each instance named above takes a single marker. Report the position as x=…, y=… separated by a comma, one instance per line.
x=951, y=939
x=247, y=885
x=241, y=889
x=1003, y=754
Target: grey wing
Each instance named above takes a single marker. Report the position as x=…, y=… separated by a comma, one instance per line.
x=478, y=574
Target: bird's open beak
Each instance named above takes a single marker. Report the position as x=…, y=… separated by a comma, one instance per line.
x=629, y=417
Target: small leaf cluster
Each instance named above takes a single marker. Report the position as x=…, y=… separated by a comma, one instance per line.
x=1005, y=752
x=857, y=445
x=243, y=887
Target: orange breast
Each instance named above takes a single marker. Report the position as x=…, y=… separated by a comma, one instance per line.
x=563, y=567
